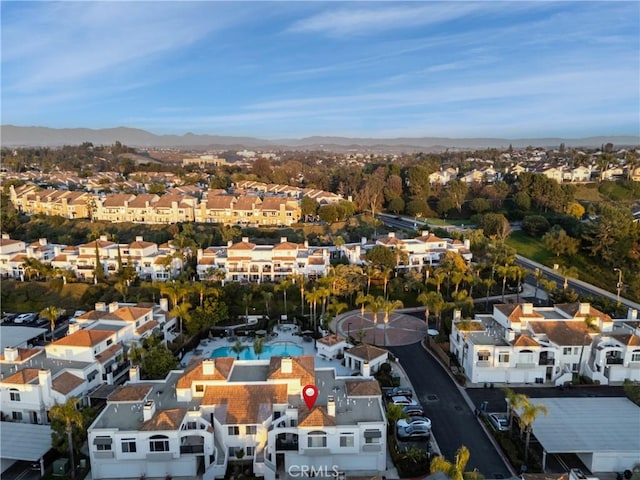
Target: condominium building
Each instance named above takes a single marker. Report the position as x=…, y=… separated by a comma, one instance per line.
x=220, y=410
x=520, y=343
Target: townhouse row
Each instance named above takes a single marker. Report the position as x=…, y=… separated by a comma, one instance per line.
x=522, y=343
x=220, y=410
x=215, y=207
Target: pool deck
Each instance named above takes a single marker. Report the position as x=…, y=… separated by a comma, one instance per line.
x=281, y=334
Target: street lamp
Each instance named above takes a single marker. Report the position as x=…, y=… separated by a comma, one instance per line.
x=619, y=284
x=348, y=331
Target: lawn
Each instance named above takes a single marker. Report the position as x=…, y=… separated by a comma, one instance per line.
x=531, y=247
x=439, y=222
x=36, y=296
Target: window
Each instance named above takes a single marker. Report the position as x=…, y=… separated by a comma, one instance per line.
x=372, y=436
x=109, y=342
x=14, y=395
x=566, y=351
x=16, y=416
x=503, y=357
x=233, y=430
x=483, y=356
x=317, y=439
x=574, y=367
x=346, y=440
x=158, y=443
x=250, y=429
x=199, y=387
x=635, y=356
x=129, y=445
x=251, y=451
x=576, y=350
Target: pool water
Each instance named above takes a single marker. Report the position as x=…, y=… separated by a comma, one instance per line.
x=277, y=349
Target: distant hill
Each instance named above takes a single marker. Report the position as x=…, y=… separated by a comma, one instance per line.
x=13, y=136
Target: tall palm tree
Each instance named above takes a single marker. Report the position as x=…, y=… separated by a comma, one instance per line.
x=528, y=414
x=488, y=282
x=182, y=312
x=374, y=306
x=267, y=297
x=362, y=299
x=515, y=401
x=538, y=275
x=68, y=414
x=455, y=470
x=568, y=272
x=313, y=297
x=51, y=313
x=395, y=413
x=283, y=286
x=238, y=348
x=388, y=307
x=505, y=272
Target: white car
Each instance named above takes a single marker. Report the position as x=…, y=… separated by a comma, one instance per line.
x=499, y=421
x=416, y=421
x=25, y=318
x=402, y=400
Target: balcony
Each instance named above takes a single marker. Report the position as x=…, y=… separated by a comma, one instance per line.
x=191, y=449
x=546, y=361
x=525, y=365
x=483, y=363
x=615, y=361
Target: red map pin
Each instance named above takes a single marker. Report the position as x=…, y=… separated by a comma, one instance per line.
x=310, y=394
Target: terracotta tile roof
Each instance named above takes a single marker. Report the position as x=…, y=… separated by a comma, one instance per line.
x=525, y=341
x=367, y=388
x=100, y=243
x=66, y=382
x=22, y=377
x=130, y=393
x=245, y=404
x=140, y=200
x=302, y=367
x=84, y=338
x=514, y=312
x=207, y=261
x=193, y=372
x=166, y=201
x=563, y=332
x=331, y=340
x=316, y=261
x=220, y=202
x=146, y=327
x=573, y=310
x=109, y=352
x=165, y=420
x=117, y=200
x=366, y=352
x=317, y=417
x=631, y=340
x=131, y=314
x=247, y=203
x=23, y=354
x=139, y=244
x=429, y=239
x=242, y=246
x=390, y=241
x=286, y=246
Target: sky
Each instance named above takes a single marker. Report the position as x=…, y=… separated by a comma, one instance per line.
x=295, y=69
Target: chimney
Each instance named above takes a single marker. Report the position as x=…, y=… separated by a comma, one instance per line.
x=148, y=410
x=44, y=379
x=42, y=241
x=363, y=240
x=134, y=374
x=527, y=308
x=245, y=239
x=283, y=240
x=632, y=314
x=229, y=243
x=366, y=370
x=139, y=238
x=103, y=238
x=511, y=335
x=286, y=365
x=467, y=244
x=73, y=328
x=208, y=366
x=584, y=308
x=101, y=307
x=10, y=354
x=425, y=233
x=306, y=244
x=5, y=236
x=113, y=306
x=392, y=234
x=199, y=254
x=331, y=406
x=164, y=304
x=457, y=315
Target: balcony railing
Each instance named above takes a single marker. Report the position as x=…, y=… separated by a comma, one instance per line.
x=525, y=365
x=287, y=445
x=547, y=361
x=186, y=449
x=615, y=361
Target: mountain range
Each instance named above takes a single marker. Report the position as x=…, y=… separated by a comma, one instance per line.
x=19, y=136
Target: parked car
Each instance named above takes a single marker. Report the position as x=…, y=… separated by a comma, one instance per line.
x=402, y=400
x=499, y=421
x=413, y=432
x=25, y=318
x=399, y=391
x=416, y=421
x=412, y=410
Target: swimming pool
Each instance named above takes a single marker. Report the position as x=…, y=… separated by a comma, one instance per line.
x=276, y=349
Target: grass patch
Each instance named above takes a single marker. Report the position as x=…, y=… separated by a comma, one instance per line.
x=588, y=192
x=36, y=296
x=443, y=223
x=531, y=247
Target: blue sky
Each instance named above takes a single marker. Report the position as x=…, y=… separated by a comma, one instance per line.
x=294, y=69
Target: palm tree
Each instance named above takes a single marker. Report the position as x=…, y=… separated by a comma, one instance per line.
x=258, y=346
x=68, y=414
x=455, y=470
x=267, y=296
x=415, y=455
x=246, y=299
x=174, y=290
x=515, y=401
x=388, y=307
x=51, y=313
x=182, y=312
x=135, y=354
x=395, y=413
x=362, y=300
x=123, y=288
x=538, y=274
x=505, y=271
x=313, y=297
x=568, y=272
x=488, y=282
x=528, y=415
x=438, y=277
x=238, y=348
x=282, y=287
x=374, y=306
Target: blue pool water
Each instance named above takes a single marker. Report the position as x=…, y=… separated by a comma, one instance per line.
x=277, y=349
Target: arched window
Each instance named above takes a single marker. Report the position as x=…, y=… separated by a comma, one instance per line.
x=14, y=394
x=635, y=356
x=159, y=443
x=317, y=439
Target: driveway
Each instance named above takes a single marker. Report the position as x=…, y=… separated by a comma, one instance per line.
x=454, y=423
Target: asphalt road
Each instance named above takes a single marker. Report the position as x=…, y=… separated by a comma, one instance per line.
x=453, y=422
